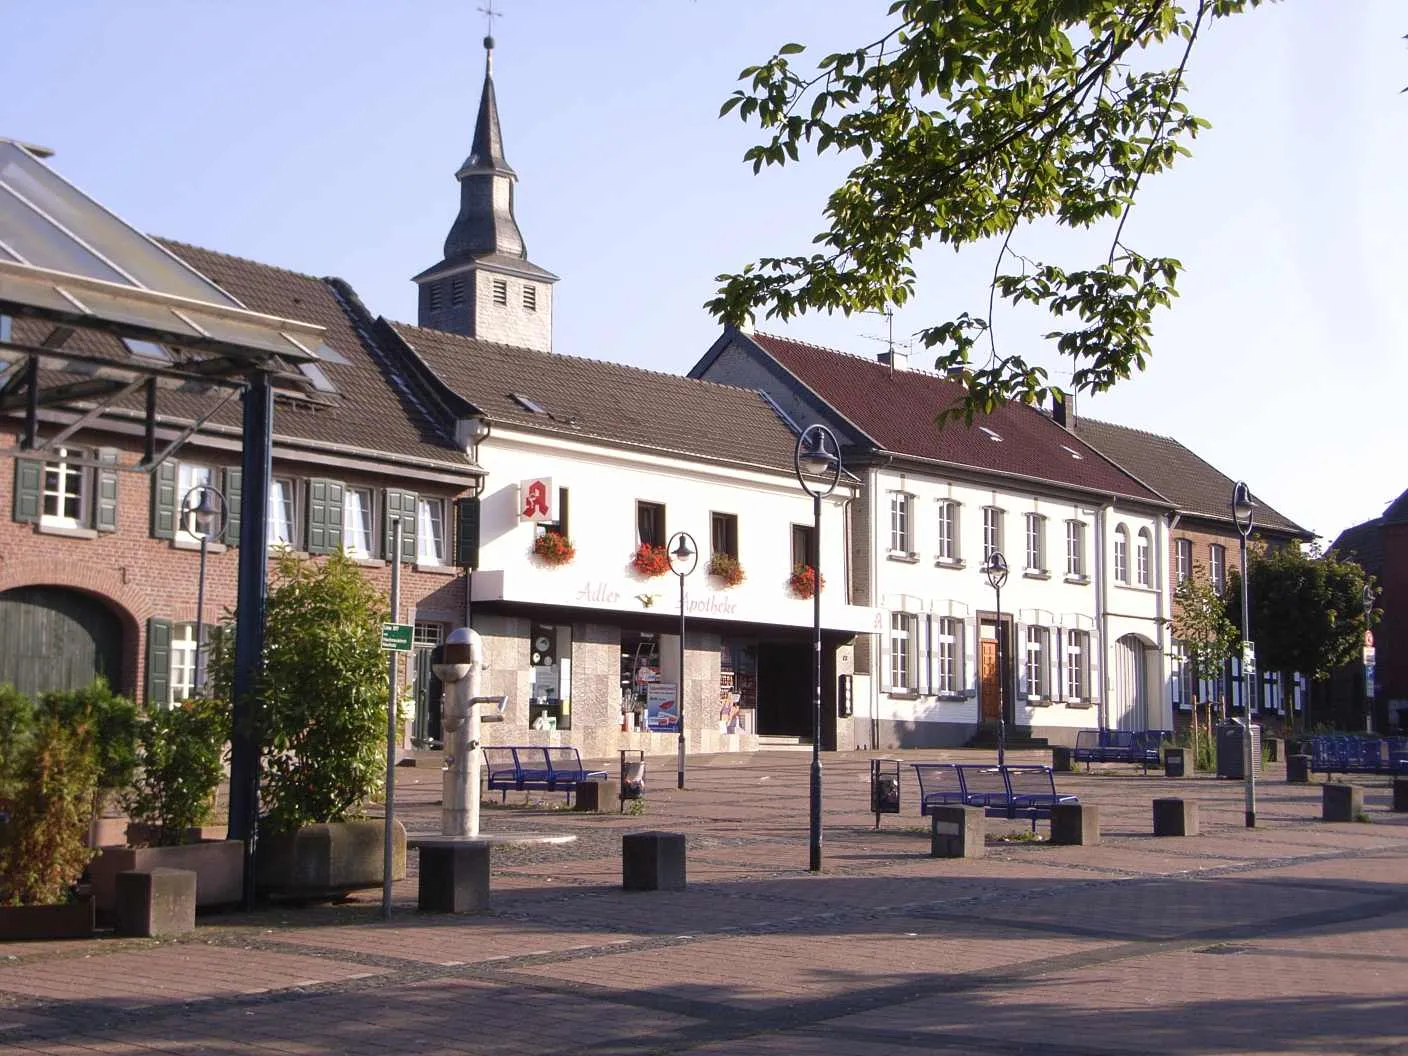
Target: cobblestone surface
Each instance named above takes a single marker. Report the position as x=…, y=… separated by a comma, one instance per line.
x=1290, y=938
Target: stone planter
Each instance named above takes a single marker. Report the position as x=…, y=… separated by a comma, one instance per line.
x=218, y=865
x=72, y=920
x=329, y=860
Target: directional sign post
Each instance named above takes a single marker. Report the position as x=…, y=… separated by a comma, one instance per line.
x=397, y=637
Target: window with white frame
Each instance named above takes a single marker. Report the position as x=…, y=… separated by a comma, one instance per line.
x=1183, y=558
x=901, y=510
x=357, y=522
x=948, y=530
x=904, y=633
x=1121, y=554
x=65, y=491
x=1217, y=567
x=1077, y=665
x=1143, y=567
x=1178, y=675
x=992, y=531
x=183, y=663
x=1075, y=548
x=1036, y=543
x=1038, y=662
x=190, y=475
x=281, y=520
x=430, y=531
x=948, y=674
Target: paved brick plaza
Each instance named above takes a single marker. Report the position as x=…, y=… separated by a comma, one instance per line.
x=1292, y=938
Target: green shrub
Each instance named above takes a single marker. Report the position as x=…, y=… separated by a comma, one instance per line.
x=321, y=706
x=43, y=852
x=181, y=753
x=16, y=729
x=112, y=721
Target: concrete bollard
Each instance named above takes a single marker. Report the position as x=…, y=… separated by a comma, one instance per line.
x=154, y=903
x=1341, y=802
x=1175, y=817
x=1075, y=824
x=1275, y=748
x=958, y=831
x=595, y=796
x=653, y=861
x=1175, y=762
x=454, y=875
x=1400, y=794
x=1297, y=769
x=1063, y=760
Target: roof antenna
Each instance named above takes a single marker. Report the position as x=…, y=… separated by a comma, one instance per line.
x=489, y=15
x=889, y=314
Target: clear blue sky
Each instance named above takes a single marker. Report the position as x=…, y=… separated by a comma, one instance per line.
x=323, y=137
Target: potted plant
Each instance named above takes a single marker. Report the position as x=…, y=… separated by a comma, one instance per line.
x=49, y=779
x=726, y=567
x=322, y=715
x=169, y=799
x=553, y=548
x=805, y=581
x=651, y=560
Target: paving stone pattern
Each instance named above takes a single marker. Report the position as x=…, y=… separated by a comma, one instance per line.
x=1290, y=938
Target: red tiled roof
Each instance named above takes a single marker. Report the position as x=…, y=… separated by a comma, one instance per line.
x=897, y=409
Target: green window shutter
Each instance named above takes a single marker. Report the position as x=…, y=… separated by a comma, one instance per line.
x=233, y=504
x=467, y=533
x=164, y=501
x=105, y=507
x=400, y=504
x=29, y=489
x=158, y=661
x=324, y=516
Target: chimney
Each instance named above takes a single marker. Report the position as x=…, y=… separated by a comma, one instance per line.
x=955, y=374
x=894, y=359
x=1063, y=409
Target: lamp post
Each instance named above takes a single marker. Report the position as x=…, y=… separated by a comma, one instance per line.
x=996, y=570
x=1242, y=507
x=203, y=515
x=818, y=455
x=1368, y=659
x=684, y=558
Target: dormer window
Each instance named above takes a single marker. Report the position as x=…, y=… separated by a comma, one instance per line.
x=530, y=298
x=529, y=404
x=992, y=434
x=501, y=292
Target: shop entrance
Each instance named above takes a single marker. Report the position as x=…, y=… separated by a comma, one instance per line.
x=785, y=689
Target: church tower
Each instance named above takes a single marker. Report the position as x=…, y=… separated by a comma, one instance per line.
x=486, y=287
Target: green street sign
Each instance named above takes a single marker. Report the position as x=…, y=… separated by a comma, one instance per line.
x=397, y=637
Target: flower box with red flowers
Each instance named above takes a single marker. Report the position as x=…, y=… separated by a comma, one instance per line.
x=651, y=560
x=726, y=568
x=553, y=548
x=805, y=581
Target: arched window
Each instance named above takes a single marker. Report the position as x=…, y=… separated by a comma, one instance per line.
x=1121, y=554
x=1143, y=567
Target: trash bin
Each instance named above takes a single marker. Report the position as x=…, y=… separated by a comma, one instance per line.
x=884, y=787
x=632, y=775
x=1231, y=759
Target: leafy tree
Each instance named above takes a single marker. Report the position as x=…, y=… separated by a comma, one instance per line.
x=182, y=749
x=321, y=709
x=973, y=120
x=1201, y=626
x=1307, y=610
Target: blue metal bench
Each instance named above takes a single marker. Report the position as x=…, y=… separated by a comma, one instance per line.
x=939, y=784
x=1341, y=754
x=527, y=767
x=1002, y=791
x=1119, y=746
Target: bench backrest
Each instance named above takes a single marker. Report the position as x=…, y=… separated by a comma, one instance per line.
x=533, y=763
x=982, y=782
x=937, y=779
x=1087, y=738
x=499, y=761
x=563, y=759
x=1118, y=739
x=1030, y=781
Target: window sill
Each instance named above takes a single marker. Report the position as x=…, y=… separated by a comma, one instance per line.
x=65, y=531
x=368, y=562
x=950, y=562
x=1083, y=704
x=1080, y=580
x=435, y=570
x=1138, y=588
x=278, y=550
x=897, y=555
x=902, y=694
x=194, y=544
x=1035, y=573
x=1039, y=702
x=951, y=697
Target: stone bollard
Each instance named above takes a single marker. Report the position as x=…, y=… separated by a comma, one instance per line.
x=958, y=831
x=1400, y=794
x=1175, y=762
x=653, y=861
x=1275, y=748
x=1341, y=802
x=1063, y=760
x=1297, y=769
x=154, y=903
x=1175, y=817
x=454, y=874
x=1075, y=824
x=594, y=796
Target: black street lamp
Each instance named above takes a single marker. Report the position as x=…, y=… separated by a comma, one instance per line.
x=684, y=557
x=203, y=516
x=1242, y=507
x=818, y=455
x=1368, y=658
x=996, y=570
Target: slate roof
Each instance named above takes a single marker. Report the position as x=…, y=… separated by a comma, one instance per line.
x=1365, y=544
x=1397, y=511
x=618, y=405
x=379, y=408
x=1195, y=486
x=896, y=409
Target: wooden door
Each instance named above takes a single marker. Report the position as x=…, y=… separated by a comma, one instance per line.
x=988, y=681
x=59, y=639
